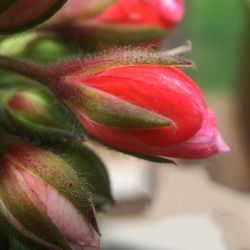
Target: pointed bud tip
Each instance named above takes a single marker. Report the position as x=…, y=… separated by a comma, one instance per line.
x=221, y=146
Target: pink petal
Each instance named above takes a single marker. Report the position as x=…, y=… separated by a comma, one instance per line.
x=72, y=225
x=206, y=142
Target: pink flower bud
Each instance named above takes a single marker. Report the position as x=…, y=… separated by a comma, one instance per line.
x=45, y=201
x=147, y=109
x=22, y=14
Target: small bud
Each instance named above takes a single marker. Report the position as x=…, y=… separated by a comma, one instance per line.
x=45, y=201
x=36, y=113
x=23, y=14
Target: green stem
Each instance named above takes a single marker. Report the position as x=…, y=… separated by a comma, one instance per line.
x=38, y=72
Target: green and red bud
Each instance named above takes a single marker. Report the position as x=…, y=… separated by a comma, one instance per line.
x=138, y=101
x=117, y=21
x=43, y=200
x=130, y=98
x=35, y=112
x=18, y=15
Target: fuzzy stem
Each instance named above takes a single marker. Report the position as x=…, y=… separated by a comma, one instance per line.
x=38, y=72
x=123, y=57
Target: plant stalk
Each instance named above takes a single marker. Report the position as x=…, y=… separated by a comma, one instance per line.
x=38, y=72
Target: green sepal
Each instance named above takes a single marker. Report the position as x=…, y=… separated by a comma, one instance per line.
x=123, y=56
x=95, y=35
x=119, y=34
x=89, y=166
x=19, y=245
x=15, y=240
x=94, y=7
x=108, y=110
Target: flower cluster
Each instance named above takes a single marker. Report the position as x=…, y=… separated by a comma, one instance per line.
x=133, y=99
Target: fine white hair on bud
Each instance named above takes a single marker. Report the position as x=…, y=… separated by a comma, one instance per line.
x=41, y=212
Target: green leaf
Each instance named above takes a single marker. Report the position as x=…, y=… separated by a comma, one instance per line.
x=94, y=7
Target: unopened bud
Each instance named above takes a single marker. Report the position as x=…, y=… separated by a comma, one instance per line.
x=140, y=102
x=94, y=22
x=34, y=112
x=45, y=200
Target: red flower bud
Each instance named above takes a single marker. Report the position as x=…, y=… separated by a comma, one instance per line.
x=120, y=21
x=134, y=100
x=152, y=110
x=22, y=14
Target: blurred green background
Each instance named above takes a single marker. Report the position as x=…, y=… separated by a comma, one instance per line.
x=217, y=30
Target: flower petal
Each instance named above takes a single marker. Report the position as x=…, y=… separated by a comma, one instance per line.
x=206, y=142
x=68, y=220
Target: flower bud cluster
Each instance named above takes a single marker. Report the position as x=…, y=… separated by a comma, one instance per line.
x=135, y=100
